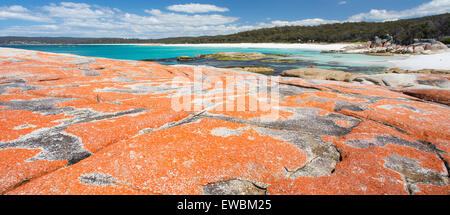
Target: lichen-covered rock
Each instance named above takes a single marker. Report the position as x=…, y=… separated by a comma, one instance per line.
x=435, y=95
x=79, y=125
x=429, y=85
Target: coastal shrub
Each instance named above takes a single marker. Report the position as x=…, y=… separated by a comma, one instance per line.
x=446, y=40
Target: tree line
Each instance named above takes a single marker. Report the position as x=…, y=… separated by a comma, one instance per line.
x=403, y=31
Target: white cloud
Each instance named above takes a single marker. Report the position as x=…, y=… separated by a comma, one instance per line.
x=77, y=10
x=17, y=8
x=430, y=8
x=19, y=12
x=196, y=8
x=342, y=2
x=182, y=19
x=85, y=20
x=303, y=22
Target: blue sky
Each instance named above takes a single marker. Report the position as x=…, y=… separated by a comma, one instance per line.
x=157, y=19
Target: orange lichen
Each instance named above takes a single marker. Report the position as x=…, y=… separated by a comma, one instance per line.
x=134, y=138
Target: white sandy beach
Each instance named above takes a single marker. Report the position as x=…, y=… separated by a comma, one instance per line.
x=409, y=62
x=306, y=46
x=417, y=62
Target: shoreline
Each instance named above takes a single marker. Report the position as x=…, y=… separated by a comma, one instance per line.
x=304, y=46
x=408, y=62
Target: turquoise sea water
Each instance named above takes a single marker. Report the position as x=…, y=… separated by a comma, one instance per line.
x=347, y=62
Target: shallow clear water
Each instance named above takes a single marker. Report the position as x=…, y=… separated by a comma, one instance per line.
x=346, y=62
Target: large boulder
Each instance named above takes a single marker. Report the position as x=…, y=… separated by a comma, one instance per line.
x=255, y=69
x=438, y=46
x=184, y=58
x=319, y=74
x=419, y=49
x=406, y=80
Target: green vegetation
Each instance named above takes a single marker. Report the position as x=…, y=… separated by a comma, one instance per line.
x=404, y=32
x=446, y=40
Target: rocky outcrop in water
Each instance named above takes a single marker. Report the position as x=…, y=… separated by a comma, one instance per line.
x=184, y=58
x=79, y=125
x=255, y=69
x=239, y=56
x=319, y=74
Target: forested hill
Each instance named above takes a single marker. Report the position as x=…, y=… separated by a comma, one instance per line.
x=404, y=31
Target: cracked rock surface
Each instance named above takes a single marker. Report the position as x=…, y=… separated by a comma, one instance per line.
x=79, y=125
